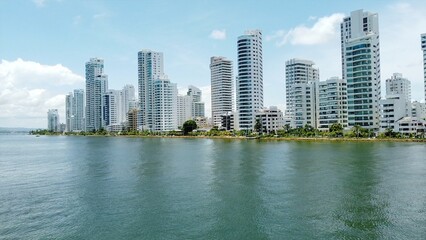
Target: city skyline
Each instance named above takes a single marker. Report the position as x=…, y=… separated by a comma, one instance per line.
x=48, y=71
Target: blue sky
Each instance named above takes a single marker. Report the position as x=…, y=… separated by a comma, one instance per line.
x=44, y=44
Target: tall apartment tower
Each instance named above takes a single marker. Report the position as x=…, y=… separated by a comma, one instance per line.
x=332, y=103
x=53, y=120
x=111, y=107
x=68, y=111
x=299, y=72
x=96, y=86
x=361, y=67
x=197, y=105
x=150, y=68
x=184, y=109
x=74, y=111
x=128, y=98
x=249, y=81
x=165, y=105
x=397, y=85
x=221, y=88
x=423, y=39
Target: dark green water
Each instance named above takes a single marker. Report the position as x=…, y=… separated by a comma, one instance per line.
x=132, y=188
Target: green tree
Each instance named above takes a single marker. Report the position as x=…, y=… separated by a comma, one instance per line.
x=357, y=130
x=336, y=130
x=189, y=126
x=258, y=126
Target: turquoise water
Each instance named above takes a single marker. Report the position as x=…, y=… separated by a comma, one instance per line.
x=142, y=188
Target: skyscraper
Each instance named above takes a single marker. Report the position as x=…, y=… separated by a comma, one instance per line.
x=53, y=120
x=150, y=68
x=221, y=88
x=165, y=105
x=423, y=40
x=197, y=105
x=111, y=107
x=249, y=81
x=129, y=97
x=396, y=84
x=69, y=98
x=96, y=86
x=301, y=80
x=332, y=103
x=74, y=110
x=361, y=67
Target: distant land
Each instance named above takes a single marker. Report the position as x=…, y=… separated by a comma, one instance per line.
x=6, y=130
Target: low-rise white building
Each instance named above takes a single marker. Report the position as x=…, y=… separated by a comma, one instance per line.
x=411, y=126
x=392, y=109
x=271, y=119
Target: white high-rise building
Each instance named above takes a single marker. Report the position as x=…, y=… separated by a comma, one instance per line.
x=361, y=67
x=68, y=111
x=111, y=108
x=96, y=86
x=298, y=72
x=305, y=104
x=78, y=110
x=418, y=110
x=128, y=98
x=398, y=85
x=150, y=68
x=332, y=103
x=249, y=81
x=53, y=120
x=184, y=109
x=197, y=105
x=423, y=40
x=221, y=88
x=165, y=107
x=74, y=111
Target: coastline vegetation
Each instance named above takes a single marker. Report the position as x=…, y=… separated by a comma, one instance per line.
x=336, y=132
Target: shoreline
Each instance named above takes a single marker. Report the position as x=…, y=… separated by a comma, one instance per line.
x=300, y=139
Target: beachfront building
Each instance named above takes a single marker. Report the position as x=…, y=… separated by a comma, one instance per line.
x=249, y=81
x=297, y=71
x=53, y=120
x=96, y=86
x=271, y=119
x=221, y=88
x=184, y=109
x=198, y=108
x=418, y=110
x=150, y=69
x=361, y=67
x=164, y=114
x=74, y=111
x=332, y=103
x=411, y=126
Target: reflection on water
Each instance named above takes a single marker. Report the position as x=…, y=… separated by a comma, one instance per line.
x=121, y=188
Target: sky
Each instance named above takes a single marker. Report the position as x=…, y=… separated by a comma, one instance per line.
x=44, y=44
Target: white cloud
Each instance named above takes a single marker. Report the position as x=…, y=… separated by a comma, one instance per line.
x=100, y=15
x=29, y=89
x=39, y=3
x=218, y=34
x=324, y=29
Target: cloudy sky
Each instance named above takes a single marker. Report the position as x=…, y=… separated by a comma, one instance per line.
x=44, y=44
